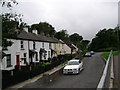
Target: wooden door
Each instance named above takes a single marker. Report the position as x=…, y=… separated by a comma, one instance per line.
x=17, y=60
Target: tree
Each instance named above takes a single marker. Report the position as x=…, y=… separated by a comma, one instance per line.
x=84, y=44
x=10, y=22
x=105, y=39
x=44, y=27
x=76, y=38
x=63, y=35
x=9, y=3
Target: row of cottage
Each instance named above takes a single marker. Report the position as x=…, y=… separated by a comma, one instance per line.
x=31, y=47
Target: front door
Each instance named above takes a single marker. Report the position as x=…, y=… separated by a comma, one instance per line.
x=17, y=60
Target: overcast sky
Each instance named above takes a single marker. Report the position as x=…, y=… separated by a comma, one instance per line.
x=85, y=17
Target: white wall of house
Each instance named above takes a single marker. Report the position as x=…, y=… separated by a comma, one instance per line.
x=38, y=46
x=67, y=49
x=60, y=48
x=47, y=48
x=14, y=50
x=53, y=47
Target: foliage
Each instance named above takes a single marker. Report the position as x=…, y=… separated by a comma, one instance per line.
x=10, y=22
x=44, y=27
x=84, y=44
x=116, y=53
x=106, y=38
x=75, y=38
x=63, y=35
x=9, y=3
x=105, y=55
x=85, y=51
x=45, y=64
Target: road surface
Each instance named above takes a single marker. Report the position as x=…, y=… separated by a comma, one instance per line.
x=88, y=78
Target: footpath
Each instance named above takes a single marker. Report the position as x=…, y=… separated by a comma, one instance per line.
x=49, y=73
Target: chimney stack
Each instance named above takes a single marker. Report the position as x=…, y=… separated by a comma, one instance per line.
x=35, y=31
x=25, y=28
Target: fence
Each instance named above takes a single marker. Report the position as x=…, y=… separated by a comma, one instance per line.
x=105, y=79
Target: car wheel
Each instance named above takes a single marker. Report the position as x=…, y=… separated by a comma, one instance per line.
x=79, y=71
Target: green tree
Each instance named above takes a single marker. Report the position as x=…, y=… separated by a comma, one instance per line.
x=63, y=35
x=10, y=22
x=75, y=38
x=105, y=39
x=44, y=27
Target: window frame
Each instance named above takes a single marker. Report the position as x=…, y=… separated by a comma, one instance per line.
x=8, y=62
x=34, y=45
x=22, y=45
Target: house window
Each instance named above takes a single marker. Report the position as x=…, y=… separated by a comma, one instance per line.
x=33, y=45
x=48, y=54
x=43, y=45
x=22, y=45
x=49, y=45
x=25, y=58
x=8, y=58
x=36, y=56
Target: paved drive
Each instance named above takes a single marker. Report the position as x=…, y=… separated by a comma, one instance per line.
x=88, y=78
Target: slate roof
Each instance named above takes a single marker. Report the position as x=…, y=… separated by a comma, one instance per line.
x=31, y=36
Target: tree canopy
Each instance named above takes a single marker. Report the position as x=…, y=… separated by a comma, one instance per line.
x=63, y=35
x=106, y=39
x=44, y=27
x=75, y=38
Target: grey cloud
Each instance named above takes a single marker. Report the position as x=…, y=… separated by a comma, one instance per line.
x=85, y=18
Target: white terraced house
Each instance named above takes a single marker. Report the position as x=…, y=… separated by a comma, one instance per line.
x=27, y=48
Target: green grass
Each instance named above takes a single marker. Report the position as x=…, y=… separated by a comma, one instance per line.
x=115, y=53
x=106, y=55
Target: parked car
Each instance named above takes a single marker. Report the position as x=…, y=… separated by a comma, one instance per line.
x=88, y=54
x=92, y=52
x=73, y=67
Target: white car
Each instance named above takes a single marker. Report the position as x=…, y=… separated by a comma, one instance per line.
x=73, y=67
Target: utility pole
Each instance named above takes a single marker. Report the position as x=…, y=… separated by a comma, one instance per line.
x=118, y=44
x=0, y=49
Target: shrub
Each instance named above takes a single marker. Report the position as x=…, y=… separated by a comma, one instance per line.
x=45, y=64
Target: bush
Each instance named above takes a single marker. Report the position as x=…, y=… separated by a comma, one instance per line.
x=45, y=64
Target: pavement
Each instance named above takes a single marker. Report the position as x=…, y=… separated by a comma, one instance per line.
x=116, y=65
x=34, y=79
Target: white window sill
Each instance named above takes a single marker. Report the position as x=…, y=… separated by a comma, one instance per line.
x=8, y=68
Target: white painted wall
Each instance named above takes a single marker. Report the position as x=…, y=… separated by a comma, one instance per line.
x=14, y=50
x=47, y=48
x=38, y=46
x=67, y=49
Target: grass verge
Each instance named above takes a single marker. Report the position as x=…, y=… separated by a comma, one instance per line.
x=106, y=55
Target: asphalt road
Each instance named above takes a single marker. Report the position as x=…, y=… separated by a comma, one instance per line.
x=88, y=78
